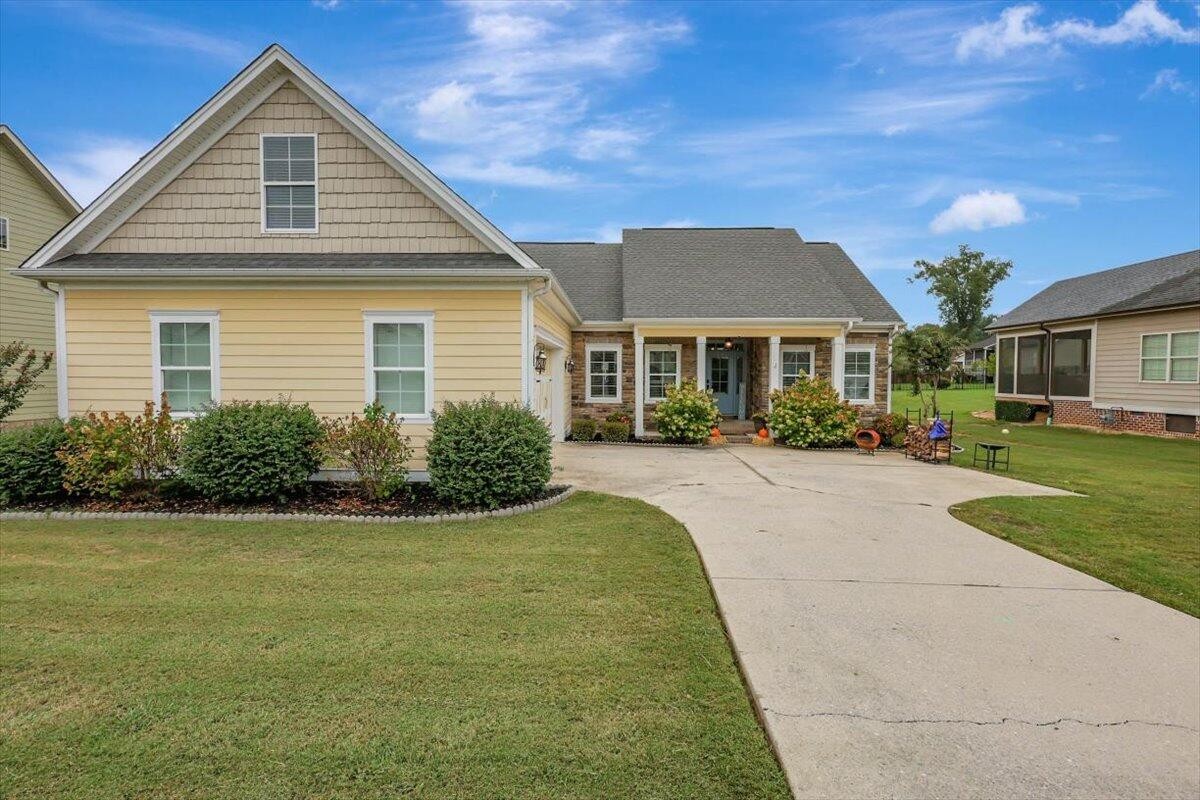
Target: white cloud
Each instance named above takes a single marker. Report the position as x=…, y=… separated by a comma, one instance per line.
x=977, y=211
x=1143, y=22
x=524, y=87
x=143, y=30
x=599, y=143
x=327, y=5
x=611, y=231
x=501, y=171
x=1168, y=80
x=90, y=169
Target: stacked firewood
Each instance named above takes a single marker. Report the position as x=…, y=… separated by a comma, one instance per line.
x=917, y=444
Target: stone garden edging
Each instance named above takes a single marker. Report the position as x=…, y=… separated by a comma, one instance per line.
x=257, y=516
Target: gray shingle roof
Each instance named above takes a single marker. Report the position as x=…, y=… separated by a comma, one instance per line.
x=662, y=273
x=314, y=261
x=1172, y=280
x=590, y=274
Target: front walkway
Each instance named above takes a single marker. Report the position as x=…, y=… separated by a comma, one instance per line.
x=897, y=652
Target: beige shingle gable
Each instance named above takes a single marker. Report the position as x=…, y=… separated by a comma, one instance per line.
x=365, y=205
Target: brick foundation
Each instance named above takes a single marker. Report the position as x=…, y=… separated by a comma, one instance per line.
x=1081, y=412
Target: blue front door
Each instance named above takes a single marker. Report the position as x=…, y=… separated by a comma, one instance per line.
x=723, y=380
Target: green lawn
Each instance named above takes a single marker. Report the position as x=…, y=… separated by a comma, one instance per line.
x=1138, y=527
x=575, y=652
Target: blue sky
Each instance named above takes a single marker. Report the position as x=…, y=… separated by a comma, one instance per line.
x=1063, y=136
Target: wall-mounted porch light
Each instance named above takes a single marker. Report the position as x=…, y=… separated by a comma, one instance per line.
x=570, y=365
x=729, y=344
x=539, y=359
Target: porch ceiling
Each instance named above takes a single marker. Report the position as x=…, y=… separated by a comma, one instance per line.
x=740, y=331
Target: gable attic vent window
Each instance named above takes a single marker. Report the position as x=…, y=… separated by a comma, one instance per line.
x=3, y=233
x=289, y=181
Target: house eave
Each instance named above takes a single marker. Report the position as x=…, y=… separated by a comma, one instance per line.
x=63, y=275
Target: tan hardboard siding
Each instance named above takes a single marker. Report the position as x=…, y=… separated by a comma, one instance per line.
x=26, y=312
x=304, y=345
x=1118, y=363
x=215, y=205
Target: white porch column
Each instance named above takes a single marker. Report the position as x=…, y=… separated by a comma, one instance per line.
x=838, y=364
x=701, y=356
x=639, y=413
x=775, y=378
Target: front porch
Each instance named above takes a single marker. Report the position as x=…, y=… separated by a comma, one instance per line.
x=740, y=365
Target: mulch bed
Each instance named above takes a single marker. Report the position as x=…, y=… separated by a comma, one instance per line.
x=319, y=498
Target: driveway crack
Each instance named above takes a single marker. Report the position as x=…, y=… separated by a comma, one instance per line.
x=980, y=723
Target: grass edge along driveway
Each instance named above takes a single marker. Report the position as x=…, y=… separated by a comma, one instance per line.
x=1139, y=525
x=573, y=652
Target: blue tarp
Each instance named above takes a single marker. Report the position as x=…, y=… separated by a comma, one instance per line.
x=938, y=430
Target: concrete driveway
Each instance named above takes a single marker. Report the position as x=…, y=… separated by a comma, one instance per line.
x=896, y=652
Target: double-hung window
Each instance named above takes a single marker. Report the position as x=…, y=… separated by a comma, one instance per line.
x=859, y=374
x=1171, y=357
x=186, y=360
x=400, y=362
x=662, y=370
x=289, y=183
x=603, y=373
x=794, y=363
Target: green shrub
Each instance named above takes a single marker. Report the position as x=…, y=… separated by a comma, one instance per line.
x=372, y=445
x=484, y=454
x=809, y=413
x=583, y=429
x=1013, y=411
x=30, y=471
x=687, y=414
x=241, y=451
x=898, y=439
x=154, y=437
x=888, y=425
x=622, y=414
x=99, y=457
x=614, y=431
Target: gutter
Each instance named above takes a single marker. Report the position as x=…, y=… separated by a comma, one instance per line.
x=42, y=274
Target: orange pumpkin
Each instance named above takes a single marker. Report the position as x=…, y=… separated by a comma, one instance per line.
x=716, y=431
x=763, y=433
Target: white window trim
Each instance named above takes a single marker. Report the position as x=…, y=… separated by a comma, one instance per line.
x=370, y=318
x=587, y=371
x=677, y=349
x=862, y=348
x=1091, y=363
x=798, y=348
x=1168, y=358
x=7, y=233
x=213, y=318
x=262, y=187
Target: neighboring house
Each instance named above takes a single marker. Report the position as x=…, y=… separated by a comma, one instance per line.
x=1124, y=348
x=278, y=243
x=33, y=206
x=973, y=358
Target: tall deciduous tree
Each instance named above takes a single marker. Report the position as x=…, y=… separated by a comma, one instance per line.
x=963, y=285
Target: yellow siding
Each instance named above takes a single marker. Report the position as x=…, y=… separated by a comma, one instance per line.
x=546, y=318
x=1118, y=363
x=27, y=313
x=364, y=206
x=304, y=344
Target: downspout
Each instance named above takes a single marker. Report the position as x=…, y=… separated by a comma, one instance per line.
x=1049, y=364
x=60, y=348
